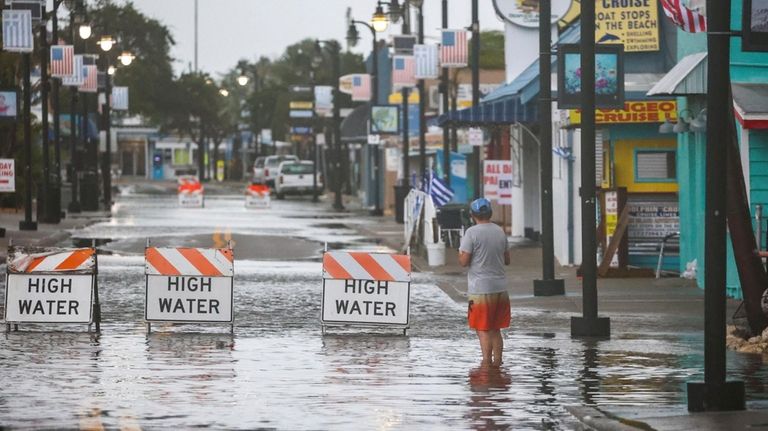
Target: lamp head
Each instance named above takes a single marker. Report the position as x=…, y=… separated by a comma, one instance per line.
x=84, y=31
x=224, y=92
x=242, y=80
x=699, y=124
x=416, y=3
x=681, y=126
x=106, y=43
x=395, y=10
x=380, y=20
x=666, y=127
x=126, y=58
x=111, y=70
x=353, y=37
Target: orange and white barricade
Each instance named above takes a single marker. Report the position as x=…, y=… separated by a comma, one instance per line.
x=257, y=196
x=366, y=289
x=51, y=285
x=191, y=193
x=189, y=285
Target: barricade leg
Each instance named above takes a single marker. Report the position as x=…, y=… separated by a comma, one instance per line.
x=149, y=328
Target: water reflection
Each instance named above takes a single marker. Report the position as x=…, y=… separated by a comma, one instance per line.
x=588, y=378
x=489, y=401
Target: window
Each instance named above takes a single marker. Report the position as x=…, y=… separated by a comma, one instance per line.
x=180, y=156
x=655, y=166
x=297, y=168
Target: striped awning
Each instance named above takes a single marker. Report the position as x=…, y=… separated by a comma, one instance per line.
x=499, y=112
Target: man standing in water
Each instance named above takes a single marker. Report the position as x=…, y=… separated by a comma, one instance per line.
x=485, y=250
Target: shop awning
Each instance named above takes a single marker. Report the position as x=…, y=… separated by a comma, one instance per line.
x=500, y=112
x=750, y=102
x=689, y=76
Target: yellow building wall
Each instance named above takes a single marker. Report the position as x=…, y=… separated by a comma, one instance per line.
x=624, y=165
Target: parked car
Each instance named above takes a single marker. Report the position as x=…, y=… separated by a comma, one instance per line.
x=258, y=170
x=271, y=165
x=295, y=177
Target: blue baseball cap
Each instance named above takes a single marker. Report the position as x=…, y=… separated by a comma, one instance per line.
x=480, y=206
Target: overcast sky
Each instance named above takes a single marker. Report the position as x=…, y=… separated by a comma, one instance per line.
x=234, y=29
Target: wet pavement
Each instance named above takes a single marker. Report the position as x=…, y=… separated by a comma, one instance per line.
x=277, y=371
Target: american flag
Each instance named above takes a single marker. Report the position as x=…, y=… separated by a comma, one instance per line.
x=454, y=51
x=76, y=79
x=120, y=98
x=403, y=71
x=361, y=87
x=90, y=79
x=17, y=31
x=427, y=66
x=62, y=61
x=687, y=19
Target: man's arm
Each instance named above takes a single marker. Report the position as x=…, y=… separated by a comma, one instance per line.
x=464, y=258
x=507, y=257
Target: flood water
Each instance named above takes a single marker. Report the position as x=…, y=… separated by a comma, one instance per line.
x=278, y=371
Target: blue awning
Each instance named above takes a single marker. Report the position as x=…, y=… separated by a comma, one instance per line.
x=500, y=112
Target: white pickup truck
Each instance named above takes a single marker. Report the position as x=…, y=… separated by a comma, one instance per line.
x=295, y=177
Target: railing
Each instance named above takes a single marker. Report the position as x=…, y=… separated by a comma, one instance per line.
x=662, y=248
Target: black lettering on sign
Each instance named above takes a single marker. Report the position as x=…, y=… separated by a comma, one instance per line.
x=368, y=308
x=189, y=306
x=59, y=307
x=49, y=285
x=189, y=284
x=366, y=286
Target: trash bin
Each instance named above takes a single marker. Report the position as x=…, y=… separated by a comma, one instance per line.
x=401, y=192
x=49, y=205
x=89, y=191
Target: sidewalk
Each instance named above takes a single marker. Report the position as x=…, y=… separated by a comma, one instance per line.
x=671, y=305
x=46, y=234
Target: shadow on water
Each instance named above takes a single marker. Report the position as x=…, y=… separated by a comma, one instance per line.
x=489, y=397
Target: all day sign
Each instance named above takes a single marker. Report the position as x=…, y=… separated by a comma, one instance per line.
x=7, y=175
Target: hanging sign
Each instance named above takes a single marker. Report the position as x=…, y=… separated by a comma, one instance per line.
x=611, y=221
x=754, y=26
x=634, y=24
x=189, y=284
x=497, y=181
x=50, y=285
x=609, y=76
x=362, y=288
x=475, y=136
x=525, y=13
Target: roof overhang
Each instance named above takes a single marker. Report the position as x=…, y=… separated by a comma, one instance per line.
x=688, y=77
x=750, y=104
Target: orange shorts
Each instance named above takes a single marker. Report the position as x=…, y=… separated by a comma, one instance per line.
x=489, y=311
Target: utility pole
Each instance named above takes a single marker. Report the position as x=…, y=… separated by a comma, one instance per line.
x=74, y=203
x=106, y=163
x=589, y=325
x=54, y=204
x=548, y=285
x=43, y=204
x=27, y=223
x=446, y=102
x=336, y=67
x=715, y=393
x=422, y=109
x=476, y=88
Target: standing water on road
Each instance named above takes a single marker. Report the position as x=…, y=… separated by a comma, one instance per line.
x=279, y=372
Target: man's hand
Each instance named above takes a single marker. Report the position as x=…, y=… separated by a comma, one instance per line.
x=464, y=258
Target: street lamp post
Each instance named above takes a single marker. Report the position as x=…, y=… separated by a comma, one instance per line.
x=74, y=203
x=444, y=79
x=43, y=201
x=422, y=102
x=379, y=24
x=476, y=87
x=106, y=43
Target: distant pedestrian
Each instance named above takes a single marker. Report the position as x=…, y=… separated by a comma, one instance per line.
x=485, y=250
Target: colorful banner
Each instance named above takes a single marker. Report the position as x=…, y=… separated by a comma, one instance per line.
x=647, y=111
x=632, y=23
x=497, y=181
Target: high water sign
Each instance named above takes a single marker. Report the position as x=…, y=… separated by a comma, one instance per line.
x=366, y=289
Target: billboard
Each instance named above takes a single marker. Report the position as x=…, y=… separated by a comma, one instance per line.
x=609, y=76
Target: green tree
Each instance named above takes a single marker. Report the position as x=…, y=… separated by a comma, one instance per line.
x=491, y=50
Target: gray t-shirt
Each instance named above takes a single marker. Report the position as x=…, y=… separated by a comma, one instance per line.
x=486, y=242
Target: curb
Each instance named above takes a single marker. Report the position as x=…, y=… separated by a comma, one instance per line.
x=592, y=418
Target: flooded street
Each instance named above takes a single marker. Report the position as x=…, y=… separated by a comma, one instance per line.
x=277, y=371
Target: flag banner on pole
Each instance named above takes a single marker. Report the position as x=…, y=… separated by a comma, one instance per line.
x=90, y=79
x=439, y=191
x=89, y=59
x=17, y=31
x=120, y=98
x=62, y=61
x=323, y=100
x=403, y=71
x=454, y=51
x=76, y=79
x=361, y=87
x=685, y=18
x=427, y=65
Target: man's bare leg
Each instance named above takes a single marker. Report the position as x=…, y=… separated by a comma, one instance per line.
x=497, y=346
x=486, y=346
